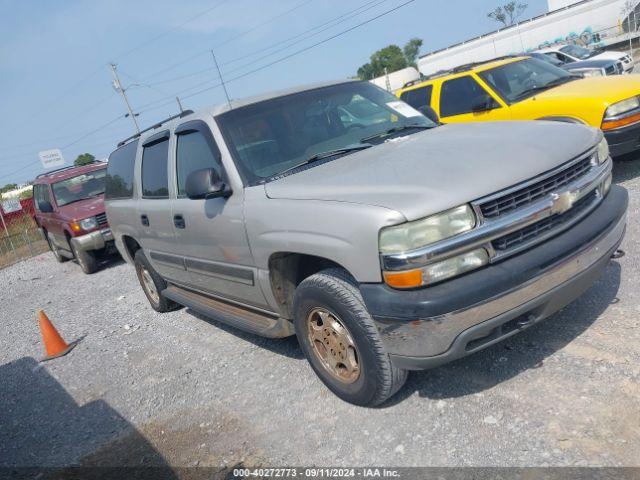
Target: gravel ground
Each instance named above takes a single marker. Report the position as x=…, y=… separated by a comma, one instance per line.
x=177, y=389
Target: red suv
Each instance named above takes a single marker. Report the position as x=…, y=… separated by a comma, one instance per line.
x=70, y=212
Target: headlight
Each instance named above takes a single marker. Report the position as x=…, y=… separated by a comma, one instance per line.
x=603, y=151
x=439, y=271
x=596, y=72
x=622, y=107
x=88, y=223
x=412, y=235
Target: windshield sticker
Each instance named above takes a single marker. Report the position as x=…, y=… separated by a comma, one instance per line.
x=404, y=109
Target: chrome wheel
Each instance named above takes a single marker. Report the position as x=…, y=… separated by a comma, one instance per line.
x=332, y=343
x=149, y=285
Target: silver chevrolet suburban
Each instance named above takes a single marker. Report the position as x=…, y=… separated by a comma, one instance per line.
x=382, y=239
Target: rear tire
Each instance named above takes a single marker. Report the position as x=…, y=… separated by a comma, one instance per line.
x=86, y=259
x=153, y=284
x=55, y=250
x=341, y=341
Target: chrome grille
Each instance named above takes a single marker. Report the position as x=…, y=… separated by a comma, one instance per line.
x=102, y=219
x=522, y=197
x=522, y=237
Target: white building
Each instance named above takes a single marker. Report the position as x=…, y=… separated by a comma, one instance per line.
x=586, y=22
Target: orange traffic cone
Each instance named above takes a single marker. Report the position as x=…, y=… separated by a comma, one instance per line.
x=53, y=342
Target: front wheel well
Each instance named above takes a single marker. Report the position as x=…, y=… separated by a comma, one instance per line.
x=131, y=246
x=287, y=270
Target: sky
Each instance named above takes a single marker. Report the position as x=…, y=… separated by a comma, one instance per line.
x=55, y=80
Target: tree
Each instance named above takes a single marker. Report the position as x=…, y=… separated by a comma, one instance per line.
x=390, y=58
x=84, y=159
x=411, y=51
x=508, y=14
x=8, y=187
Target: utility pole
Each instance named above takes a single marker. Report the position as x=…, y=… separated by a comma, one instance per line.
x=221, y=79
x=118, y=86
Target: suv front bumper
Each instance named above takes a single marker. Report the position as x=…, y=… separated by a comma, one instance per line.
x=95, y=240
x=431, y=326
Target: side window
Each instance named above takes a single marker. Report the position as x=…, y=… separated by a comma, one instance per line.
x=418, y=97
x=41, y=194
x=155, y=183
x=464, y=95
x=120, y=171
x=195, y=150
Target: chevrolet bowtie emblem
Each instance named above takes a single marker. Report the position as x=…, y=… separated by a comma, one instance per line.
x=562, y=202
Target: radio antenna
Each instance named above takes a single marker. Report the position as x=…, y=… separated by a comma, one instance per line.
x=226, y=93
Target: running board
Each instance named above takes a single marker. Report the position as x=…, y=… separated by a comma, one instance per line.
x=242, y=318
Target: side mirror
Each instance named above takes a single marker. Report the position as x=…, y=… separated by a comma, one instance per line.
x=45, y=206
x=204, y=184
x=430, y=113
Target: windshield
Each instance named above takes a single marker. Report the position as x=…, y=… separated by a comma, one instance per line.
x=79, y=187
x=273, y=136
x=519, y=80
x=578, y=51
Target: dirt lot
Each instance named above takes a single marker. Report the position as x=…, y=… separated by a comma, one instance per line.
x=143, y=388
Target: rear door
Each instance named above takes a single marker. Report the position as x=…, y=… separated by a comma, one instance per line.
x=464, y=99
x=154, y=209
x=211, y=233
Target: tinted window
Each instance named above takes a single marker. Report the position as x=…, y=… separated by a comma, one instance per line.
x=418, y=97
x=41, y=194
x=119, y=179
x=269, y=137
x=195, y=152
x=462, y=95
x=155, y=183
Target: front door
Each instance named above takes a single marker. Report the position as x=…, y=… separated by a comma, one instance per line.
x=464, y=99
x=211, y=233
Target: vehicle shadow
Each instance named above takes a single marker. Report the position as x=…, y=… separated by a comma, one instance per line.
x=287, y=347
x=524, y=351
x=45, y=434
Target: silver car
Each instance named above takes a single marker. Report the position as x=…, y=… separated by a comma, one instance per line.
x=384, y=246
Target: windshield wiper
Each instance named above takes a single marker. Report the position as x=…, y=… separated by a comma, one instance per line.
x=547, y=86
x=393, y=130
x=327, y=154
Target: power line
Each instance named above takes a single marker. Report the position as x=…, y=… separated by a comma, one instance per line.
x=225, y=42
x=334, y=21
x=156, y=105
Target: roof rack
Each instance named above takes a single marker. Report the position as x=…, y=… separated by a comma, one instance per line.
x=46, y=174
x=184, y=113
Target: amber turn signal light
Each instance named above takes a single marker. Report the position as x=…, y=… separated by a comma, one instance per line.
x=405, y=279
x=623, y=122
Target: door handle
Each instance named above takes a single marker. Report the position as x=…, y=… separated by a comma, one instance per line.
x=178, y=221
x=144, y=220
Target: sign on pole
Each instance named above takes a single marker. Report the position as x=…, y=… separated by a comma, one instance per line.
x=11, y=205
x=51, y=158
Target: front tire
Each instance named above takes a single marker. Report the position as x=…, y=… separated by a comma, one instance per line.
x=341, y=341
x=86, y=259
x=55, y=250
x=152, y=284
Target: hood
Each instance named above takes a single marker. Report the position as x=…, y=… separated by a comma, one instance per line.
x=592, y=63
x=602, y=90
x=609, y=56
x=434, y=170
x=83, y=209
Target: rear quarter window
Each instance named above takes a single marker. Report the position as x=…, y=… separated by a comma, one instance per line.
x=120, y=171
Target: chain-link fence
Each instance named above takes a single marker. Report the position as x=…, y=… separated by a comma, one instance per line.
x=20, y=237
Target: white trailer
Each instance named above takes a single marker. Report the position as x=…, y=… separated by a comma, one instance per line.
x=588, y=22
x=396, y=80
